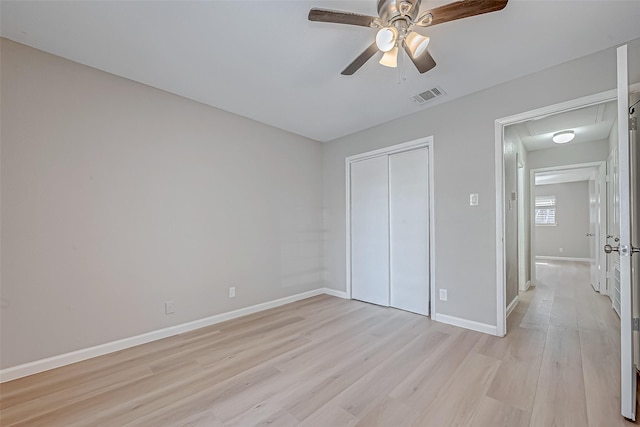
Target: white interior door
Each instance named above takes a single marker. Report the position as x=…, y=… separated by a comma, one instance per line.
x=370, y=230
x=592, y=234
x=634, y=164
x=409, y=230
x=601, y=234
x=613, y=229
x=628, y=372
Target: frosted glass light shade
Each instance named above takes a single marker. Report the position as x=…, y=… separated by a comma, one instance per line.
x=390, y=59
x=386, y=38
x=563, y=137
x=416, y=43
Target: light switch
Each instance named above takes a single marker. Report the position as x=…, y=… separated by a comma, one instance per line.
x=473, y=199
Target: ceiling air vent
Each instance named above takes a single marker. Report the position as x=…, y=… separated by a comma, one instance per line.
x=429, y=95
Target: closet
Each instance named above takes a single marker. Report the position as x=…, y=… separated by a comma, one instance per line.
x=389, y=229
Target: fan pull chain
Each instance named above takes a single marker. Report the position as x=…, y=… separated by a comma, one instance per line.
x=401, y=75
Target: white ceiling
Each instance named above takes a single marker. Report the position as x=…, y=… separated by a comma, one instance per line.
x=589, y=124
x=566, y=175
x=264, y=60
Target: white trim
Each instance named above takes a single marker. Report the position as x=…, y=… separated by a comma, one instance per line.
x=393, y=149
x=501, y=271
x=334, y=293
x=594, y=165
x=467, y=324
x=602, y=226
x=37, y=366
x=512, y=305
x=432, y=230
x=532, y=197
x=398, y=148
x=562, y=258
x=527, y=285
x=598, y=98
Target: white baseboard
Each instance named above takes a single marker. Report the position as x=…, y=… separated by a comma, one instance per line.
x=526, y=286
x=333, y=292
x=37, y=366
x=562, y=258
x=512, y=305
x=467, y=324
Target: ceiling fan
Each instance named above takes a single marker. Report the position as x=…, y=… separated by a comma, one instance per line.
x=397, y=24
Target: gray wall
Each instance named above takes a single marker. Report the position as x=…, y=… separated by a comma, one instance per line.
x=569, y=155
x=117, y=197
x=572, y=217
x=464, y=151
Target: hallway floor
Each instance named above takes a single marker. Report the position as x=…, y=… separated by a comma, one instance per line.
x=569, y=362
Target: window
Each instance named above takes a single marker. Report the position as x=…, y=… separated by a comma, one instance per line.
x=545, y=210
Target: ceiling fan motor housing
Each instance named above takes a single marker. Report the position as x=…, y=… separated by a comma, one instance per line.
x=391, y=9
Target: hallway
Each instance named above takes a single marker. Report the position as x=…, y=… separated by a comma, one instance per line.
x=571, y=348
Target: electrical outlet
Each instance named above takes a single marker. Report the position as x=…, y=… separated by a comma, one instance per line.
x=169, y=308
x=443, y=294
x=232, y=292
x=561, y=250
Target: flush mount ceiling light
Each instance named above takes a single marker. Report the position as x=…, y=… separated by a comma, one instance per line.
x=563, y=137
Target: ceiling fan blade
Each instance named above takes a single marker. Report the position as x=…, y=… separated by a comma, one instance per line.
x=424, y=62
x=464, y=9
x=360, y=60
x=338, y=17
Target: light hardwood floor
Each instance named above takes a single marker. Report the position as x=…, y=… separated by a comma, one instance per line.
x=331, y=362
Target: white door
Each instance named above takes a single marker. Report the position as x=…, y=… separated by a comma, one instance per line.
x=409, y=230
x=634, y=156
x=626, y=247
x=370, y=230
x=592, y=234
x=613, y=229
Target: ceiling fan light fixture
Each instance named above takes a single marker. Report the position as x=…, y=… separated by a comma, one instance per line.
x=386, y=38
x=390, y=58
x=563, y=137
x=416, y=43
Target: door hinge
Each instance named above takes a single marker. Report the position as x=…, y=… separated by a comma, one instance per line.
x=607, y=178
x=633, y=123
x=636, y=324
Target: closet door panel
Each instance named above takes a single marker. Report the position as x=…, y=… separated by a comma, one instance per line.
x=370, y=230
x=409, y=230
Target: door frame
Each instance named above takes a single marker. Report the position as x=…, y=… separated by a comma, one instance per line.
x=500, y=124
x=425, y=142
x=523, y=283
x=599, y=168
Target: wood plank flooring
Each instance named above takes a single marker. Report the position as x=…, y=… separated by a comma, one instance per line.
x=330, y=362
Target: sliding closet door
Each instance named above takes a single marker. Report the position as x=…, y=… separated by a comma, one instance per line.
x=370, y=230
x=409, y=230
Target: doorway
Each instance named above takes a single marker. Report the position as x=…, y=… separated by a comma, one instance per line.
x=540, y=125
x=389, y=215
x=569, y=215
